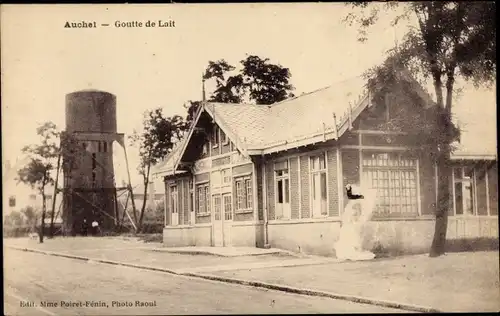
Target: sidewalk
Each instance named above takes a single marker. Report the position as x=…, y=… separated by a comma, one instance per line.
x=456, y=282
x=175, y=260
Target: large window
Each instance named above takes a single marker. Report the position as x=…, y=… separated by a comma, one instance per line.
x=394, y=175
x=282, y=190
x=463, y=191
x=202, y=199
x=319, y=185
x=244, y=196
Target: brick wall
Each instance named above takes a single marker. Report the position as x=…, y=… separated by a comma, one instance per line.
x=350, y=169
x=304, y=183
x=242, y=217
x=493, y=188
x=332, y=183
x=226, y=148
x=270, y=189
x=202, y=177
x=294, y=187
x=242, y=169
x=260, y=206
x=167, y=202
x=187, y=211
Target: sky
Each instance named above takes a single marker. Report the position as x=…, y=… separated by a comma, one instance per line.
x=161, y=67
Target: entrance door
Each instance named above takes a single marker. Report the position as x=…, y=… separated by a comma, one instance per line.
x=228, y=219
x=218, y=223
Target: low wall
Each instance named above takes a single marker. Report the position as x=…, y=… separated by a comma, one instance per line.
x=391, y=236
x=187, y=236
x=306, y=237
x=244, y=234
x=468, y=227
x=399, y=236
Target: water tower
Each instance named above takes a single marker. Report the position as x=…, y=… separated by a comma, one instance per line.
x=89, y=182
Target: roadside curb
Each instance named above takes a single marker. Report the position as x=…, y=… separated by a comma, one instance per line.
x=259, y=284
x=302, y=291
x=106, y=261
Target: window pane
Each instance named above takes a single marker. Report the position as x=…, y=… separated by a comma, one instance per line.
x=239, y=195
x=279, y=188
x=468, y=198
x=458, y=173
x=458, y=198
x=314, y=163
x=322, y=164
x=314, y=185
x=323, y=186
x=207, y=199
x=468, y=172
x=287, y=191
x=217, y=208
x=249, y=197
x=228, y=214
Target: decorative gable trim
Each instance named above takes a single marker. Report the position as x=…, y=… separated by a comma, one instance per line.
x=210, y=109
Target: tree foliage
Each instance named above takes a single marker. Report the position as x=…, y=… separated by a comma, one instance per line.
x=155, y=141
x=41, y=162
x=449, y=39
x=257, y=81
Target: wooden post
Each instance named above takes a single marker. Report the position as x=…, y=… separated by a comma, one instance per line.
x=130, y=185
x=335, y=126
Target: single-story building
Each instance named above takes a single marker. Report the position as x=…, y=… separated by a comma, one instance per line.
x=274, y=175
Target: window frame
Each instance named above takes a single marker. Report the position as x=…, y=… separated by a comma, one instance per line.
x=202, y=199
x=463, y=180
x=406, y=167
x=323, y=169
x=174, y=204
x=284, y=177
x=245, y=184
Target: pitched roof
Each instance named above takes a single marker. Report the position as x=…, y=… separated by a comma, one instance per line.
x=168, y=163
x=261, y=129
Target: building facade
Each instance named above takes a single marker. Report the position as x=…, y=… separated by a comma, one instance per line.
x=248, y=175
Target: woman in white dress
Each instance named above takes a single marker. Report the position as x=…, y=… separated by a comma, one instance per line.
x=357, y=212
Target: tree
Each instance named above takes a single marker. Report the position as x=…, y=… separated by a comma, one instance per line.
x=30, y=216
x=155, y=141
x=14, y=219
x=257, y=81
x=450, y=40
x=37, y=172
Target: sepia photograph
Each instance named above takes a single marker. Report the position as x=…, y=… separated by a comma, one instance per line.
x=249, y=158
